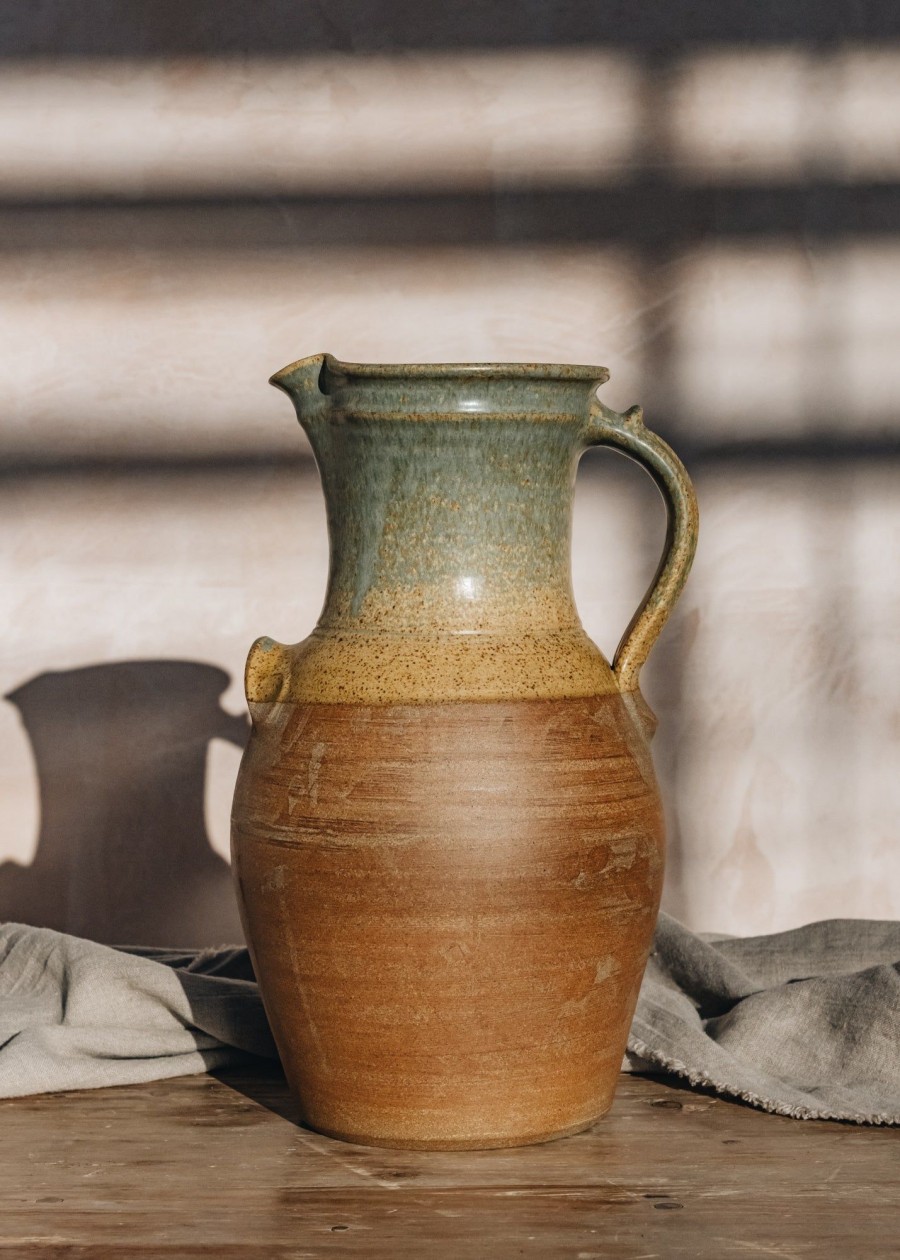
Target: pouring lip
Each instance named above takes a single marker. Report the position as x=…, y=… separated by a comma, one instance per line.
x=451, y=371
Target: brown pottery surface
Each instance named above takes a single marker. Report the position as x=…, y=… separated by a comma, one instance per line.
x=447, y=836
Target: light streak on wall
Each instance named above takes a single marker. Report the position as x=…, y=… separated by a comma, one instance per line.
x=464, y=121
x=783, y=114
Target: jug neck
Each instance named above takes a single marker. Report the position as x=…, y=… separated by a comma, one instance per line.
x=448, y=493
x=448, y=526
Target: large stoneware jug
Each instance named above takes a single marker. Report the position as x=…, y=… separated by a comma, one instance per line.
x=447, y=836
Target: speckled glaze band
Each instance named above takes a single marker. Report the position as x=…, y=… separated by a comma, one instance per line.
x=447, y=837
x=448, y=489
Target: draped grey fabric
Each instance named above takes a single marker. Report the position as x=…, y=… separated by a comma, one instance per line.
x=804, y=1023
x=76, y=1015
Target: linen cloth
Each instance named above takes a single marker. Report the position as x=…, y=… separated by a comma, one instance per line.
x=76, y=1015
x=805, y=1023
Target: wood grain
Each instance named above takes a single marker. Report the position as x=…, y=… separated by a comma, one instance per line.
x=449, y=909
x=204, y=1167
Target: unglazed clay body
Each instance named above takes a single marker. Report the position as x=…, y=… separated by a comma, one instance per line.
x=447, y=836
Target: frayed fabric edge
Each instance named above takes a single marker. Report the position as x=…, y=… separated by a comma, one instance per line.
x=656, y=1058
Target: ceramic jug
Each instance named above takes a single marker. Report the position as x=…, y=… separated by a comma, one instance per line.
x=447, y=836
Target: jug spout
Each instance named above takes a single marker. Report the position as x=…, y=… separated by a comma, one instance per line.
x=302, y=382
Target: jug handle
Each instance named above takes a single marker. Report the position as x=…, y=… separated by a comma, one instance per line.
x=626, y=432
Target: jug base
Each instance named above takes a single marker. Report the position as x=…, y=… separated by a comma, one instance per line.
x=486, y=1143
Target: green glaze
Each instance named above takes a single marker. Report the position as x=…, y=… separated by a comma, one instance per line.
x=448, y=490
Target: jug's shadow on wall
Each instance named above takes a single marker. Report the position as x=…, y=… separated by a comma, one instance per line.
x=123, y=853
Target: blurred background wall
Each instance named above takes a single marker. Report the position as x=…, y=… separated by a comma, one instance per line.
x=701, y=195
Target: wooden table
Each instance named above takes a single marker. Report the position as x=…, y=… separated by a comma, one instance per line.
x=215, y=1167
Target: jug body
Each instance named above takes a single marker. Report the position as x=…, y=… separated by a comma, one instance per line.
x=447, y=835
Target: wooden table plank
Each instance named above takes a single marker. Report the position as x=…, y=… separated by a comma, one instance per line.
x=216, y=1167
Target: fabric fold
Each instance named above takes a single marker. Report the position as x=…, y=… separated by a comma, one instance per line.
x=804, y=1023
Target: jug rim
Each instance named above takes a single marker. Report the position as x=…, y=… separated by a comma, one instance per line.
x=524, y=371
